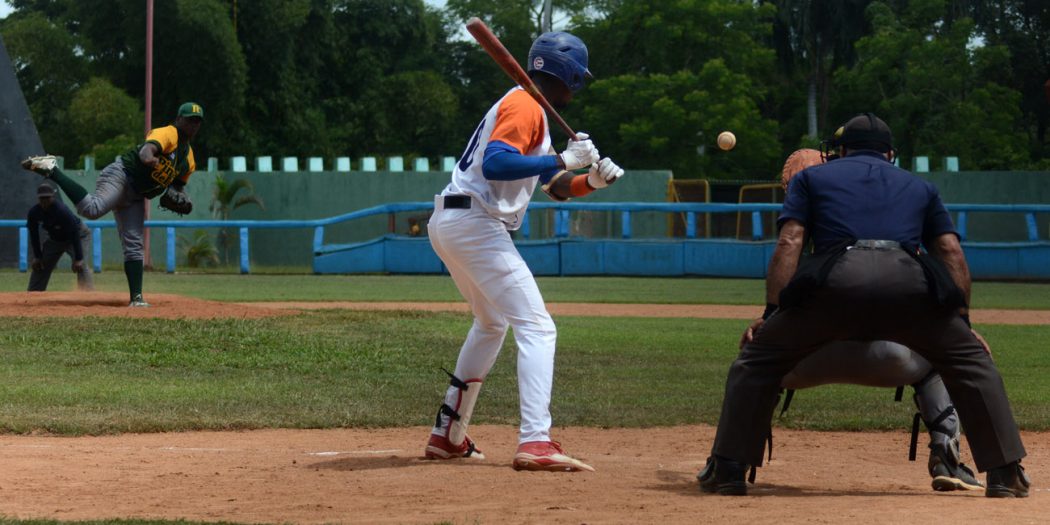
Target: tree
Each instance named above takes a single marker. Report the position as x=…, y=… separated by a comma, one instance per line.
x=50, y=72
x=938, y=95
x=225, y=200
x=671, y=121
x=812, y=38
x=670, y=76
x=100, y=112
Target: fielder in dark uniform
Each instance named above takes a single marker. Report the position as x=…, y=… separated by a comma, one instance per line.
x=65, y=235
x=868, y=281
x=160, y=166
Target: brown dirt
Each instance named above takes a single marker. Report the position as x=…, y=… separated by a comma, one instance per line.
x=103, y=304
x=378, y=476
x=100, y=304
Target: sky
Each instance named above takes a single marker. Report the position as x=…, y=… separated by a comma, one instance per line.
x=5, y=8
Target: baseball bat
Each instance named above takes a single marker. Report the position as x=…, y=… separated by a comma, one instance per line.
x=506, y=62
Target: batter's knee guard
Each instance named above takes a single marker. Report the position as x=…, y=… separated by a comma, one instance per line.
x=459, y=414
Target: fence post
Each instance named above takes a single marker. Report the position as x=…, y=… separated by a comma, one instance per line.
x=756, y=225
x=626, y=229
x=244, y=250
x=315, y=164
x=690, y=225
x=213, y=164
x=525, y=225
x=290, y=164
x=1033, y=229
x=421, y=164
x=171, y=249
x=238, y=164
x=961, y=226
x=264, y=164
x=448, y=164
x=89, y=163
x=368, y=163
x=342, y=164
x=395, y=164
x=318, y=239
x=96, y=249
x=922, y=164
x=23, y=248
x=951, y=163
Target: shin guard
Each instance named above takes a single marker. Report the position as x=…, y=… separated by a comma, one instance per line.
x=459, y=415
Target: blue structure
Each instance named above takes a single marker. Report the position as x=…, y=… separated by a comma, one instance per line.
x=565, y=255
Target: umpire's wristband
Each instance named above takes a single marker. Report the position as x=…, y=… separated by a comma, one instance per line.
x=770, y=308
x=966, y=319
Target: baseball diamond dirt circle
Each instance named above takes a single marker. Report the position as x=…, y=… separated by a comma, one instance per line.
x=379, y=476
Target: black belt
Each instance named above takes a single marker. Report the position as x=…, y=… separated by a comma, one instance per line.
x=869, y=244
x=461, y=202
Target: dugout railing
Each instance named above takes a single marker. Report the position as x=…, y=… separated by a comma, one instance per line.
x=563, y=254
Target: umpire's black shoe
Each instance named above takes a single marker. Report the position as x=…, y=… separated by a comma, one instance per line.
x=1007, y=481
x=723, y=476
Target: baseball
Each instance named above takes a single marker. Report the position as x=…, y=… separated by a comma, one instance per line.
x=726, y=140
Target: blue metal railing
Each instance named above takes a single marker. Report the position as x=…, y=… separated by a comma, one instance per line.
x=561, y=222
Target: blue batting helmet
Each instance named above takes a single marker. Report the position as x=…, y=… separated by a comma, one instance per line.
x=561, y=55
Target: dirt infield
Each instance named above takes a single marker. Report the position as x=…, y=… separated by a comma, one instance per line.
x=100, y=304
x=378, y=476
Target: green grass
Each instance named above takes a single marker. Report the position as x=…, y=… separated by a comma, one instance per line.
x=372, y=369
x=292, y=287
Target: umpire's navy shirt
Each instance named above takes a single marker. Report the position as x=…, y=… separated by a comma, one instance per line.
x=59, y=223
x=863, y=196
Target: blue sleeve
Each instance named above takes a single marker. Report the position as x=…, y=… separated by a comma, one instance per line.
x=33, y=225
x=503, y=162
x=796, y=202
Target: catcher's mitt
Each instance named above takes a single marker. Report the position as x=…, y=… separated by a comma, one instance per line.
x=797, y=162
x=176, y=200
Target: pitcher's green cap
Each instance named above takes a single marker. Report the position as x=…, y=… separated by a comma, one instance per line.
x=191, y=109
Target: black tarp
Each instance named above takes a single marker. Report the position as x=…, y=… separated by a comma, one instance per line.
x=18, y=140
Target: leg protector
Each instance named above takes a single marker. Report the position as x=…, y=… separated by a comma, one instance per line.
x=459, y=414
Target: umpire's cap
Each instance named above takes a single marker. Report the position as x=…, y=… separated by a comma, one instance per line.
x=45, y=190
x=191, y=109
x=866, y=131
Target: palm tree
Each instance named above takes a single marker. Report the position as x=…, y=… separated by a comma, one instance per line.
x=224, y=200
x=199, y=250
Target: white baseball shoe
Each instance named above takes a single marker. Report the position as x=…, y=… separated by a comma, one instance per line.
x=42, y=164
x=138, y=302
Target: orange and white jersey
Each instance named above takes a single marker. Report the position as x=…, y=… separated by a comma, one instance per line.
x=519, y=121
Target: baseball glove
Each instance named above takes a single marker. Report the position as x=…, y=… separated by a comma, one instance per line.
x=176, y=200
x=797, y=162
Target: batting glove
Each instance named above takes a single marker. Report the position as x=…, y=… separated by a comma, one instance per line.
x=604, y=173
x=579, y=153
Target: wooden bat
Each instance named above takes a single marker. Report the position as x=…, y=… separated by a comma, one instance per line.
x=506, y=62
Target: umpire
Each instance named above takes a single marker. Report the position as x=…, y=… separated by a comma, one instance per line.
x=66, y=234
x=868, y=280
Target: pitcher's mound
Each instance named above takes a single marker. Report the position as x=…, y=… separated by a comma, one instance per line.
x=115, y=304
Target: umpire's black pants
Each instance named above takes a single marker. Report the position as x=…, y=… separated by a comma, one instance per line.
x=869, y=295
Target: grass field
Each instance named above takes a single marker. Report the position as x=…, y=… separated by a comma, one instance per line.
x=345, y=368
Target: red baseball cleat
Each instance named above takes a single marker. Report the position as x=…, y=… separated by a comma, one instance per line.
x=439, y=448
x=547, y=455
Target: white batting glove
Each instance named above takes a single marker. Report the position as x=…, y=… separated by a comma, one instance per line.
x=579, y=153
x=604, y=173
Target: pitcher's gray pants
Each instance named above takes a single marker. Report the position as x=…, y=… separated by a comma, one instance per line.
x=113, y=192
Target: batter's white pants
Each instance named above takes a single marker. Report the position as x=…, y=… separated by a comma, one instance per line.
x=501, y=291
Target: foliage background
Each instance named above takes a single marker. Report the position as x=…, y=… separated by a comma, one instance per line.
x=400, y=77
